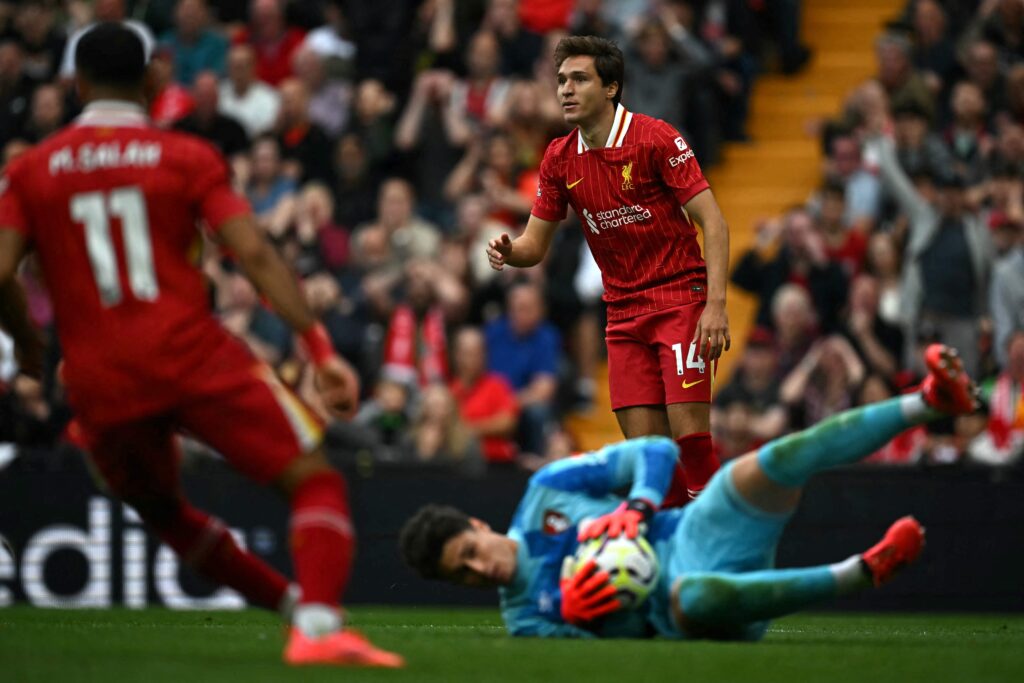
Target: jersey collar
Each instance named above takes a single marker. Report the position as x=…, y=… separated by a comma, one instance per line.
x=615, y=136
x=114, y=114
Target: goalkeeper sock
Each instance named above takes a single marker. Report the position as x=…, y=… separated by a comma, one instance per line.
x=697, y=454
x=841, y=439
x=204, y=543
x=322, y=540
x=716, y=599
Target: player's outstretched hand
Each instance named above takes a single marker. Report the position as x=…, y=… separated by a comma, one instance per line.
x=586, y=594
x=622, y=520
x=338, y=385
x=712, y=334
x=498, y=251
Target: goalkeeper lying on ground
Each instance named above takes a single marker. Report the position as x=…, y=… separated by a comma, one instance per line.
x=716, y=554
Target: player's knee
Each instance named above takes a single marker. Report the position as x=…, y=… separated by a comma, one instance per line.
x=706, y=598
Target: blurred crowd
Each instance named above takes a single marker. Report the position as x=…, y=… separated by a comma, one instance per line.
x=382, y=144
x=915, y=235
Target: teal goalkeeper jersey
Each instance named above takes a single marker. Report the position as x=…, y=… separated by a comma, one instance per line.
x=558, y=498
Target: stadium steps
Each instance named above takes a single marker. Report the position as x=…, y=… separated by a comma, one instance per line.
x=783, y=162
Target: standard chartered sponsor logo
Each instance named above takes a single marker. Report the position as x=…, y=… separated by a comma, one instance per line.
x=614, y=218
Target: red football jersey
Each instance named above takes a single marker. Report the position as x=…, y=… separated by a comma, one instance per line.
x=629, y=198
x=112, y=206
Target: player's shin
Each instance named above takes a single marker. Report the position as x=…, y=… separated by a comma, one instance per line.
x=841, y=439
x=204, y=543
x=710, y=600
x=697, y=456
x=322, y=543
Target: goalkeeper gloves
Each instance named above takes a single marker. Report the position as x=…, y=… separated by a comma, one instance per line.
x=625, y=519
x=586, y=595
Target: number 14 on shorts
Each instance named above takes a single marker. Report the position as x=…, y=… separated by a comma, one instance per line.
x=692, y=359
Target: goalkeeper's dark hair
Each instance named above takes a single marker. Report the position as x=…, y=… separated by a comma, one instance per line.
x=111, y=54
x=423, y=537
x=608, y=61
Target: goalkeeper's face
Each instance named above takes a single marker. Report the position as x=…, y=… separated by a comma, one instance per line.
x=479, y=557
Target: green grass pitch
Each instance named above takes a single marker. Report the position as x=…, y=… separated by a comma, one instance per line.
x=155, y=645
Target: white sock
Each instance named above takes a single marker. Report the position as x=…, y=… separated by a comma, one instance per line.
x=290, y=599
x=317, y=619
x=850, y=575
x=915, y=409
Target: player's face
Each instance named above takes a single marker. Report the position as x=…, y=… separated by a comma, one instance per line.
x=580, y=92
x=479, y=557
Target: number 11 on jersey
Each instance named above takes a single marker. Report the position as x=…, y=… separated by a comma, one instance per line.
x=692, y=359
x=93, y=210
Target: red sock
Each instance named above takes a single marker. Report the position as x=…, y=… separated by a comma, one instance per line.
x=322, y=538
x=699, y=461
x=205, y=544
x=677, y=495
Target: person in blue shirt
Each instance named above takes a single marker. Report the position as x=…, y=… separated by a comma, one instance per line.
x=716, y=554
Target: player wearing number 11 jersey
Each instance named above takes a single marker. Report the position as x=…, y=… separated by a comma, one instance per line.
x=112, y=206
x=639, y=193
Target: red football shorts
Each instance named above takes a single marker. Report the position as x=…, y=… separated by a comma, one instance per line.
x=652, y=362
x=244, y=413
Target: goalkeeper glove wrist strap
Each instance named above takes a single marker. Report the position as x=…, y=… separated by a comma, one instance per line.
x=643, y=506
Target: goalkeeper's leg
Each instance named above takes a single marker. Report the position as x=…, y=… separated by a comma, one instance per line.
x=731, y=606
x=772, y=478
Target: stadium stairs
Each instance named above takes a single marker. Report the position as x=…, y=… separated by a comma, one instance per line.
x=782, y=164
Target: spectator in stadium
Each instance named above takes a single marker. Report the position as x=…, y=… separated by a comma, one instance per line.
x=241, y=312
x=170, y=101
x=476, y=228
x=1002, y=441
x=194, y=46
x=883, y=263
x=657, y=75
x=485, y=400
x=270, y=191
x=897, y=75
x=438, y=436
x=863, y=193
x=933, y=55
x=747, y=412
x=305, y=147
x=46, y=114
x=946, y=262
x=324, y=243
x=919, y=149
x=206, y=121
x=802, y=258
x=355, y=189
x=104, y=10
x=242, y=96
x=387, y=416
x=967, y=137
x=330, y=99
x=1006, y=297
x=730, y=32
x=272, y=40
x=823, y=383
x=523, y=347
x=41, y=39
x=518, y=45
x=795, y=325
x=15, y=90
x=878, y=343
x=982, y=67
x=844, y=244
x=372, y=121
x=490, y=167
x=409, y=235
x=475, y=98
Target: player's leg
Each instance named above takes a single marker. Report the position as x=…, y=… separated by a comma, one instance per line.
x=772, y=478
x=688, y=381
x=284, y=451
x=739, y=605
x=138, y=462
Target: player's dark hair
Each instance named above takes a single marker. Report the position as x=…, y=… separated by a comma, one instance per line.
x=608, y=61
x=423, y=536
x=111, y=54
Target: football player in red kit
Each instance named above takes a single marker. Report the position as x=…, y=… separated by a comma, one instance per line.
x=111, y=206
x=639, y=193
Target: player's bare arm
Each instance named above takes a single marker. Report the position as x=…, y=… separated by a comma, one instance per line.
x=524, y=251
x=28, y=346
x=335, y=378
x=712, y=333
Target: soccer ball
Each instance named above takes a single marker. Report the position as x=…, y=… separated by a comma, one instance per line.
x=631, y=564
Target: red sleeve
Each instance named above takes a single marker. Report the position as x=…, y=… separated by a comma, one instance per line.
x=12, y=210
x=503, y=397
x=677, y=164
x=552, y=198
x=216, y=201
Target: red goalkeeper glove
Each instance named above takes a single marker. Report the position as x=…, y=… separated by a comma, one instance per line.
x=586, y=595
x=625, y=519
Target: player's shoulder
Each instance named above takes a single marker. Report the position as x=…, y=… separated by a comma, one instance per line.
x=648, y=130
x=559, y=147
